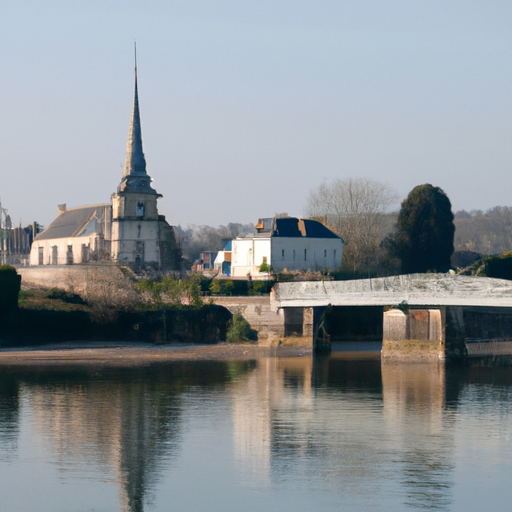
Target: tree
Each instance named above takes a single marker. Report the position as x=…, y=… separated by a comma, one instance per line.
x=357, y=210
x=424, y=236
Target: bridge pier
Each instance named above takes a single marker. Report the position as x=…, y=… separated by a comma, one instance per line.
x=414, y=335
x=308, y=324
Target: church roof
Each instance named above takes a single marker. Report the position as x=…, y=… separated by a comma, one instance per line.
x=73, y=222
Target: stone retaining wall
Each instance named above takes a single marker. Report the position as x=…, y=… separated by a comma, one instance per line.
x=272, y=326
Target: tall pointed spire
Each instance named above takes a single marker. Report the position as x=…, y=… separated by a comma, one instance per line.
x=135, y=177
x=135, y=162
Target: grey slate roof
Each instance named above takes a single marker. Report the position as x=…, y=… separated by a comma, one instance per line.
x=72, y=222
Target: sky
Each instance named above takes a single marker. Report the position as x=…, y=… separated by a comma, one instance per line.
x=246, y=106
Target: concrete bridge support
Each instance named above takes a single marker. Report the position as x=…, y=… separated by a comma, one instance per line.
x=307, y=325
x=414, y=335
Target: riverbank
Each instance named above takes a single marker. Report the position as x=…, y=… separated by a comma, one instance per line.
x=125, y=353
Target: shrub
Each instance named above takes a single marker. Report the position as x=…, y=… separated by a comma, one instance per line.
x=264, y=267
x=228, y=287
x=171, y=292
x=499, y=266
x=10, y=283
x=239, y=330
x=63, y=295
x=262, y=287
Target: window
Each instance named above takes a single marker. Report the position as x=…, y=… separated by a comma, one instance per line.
x=325, y=253
x=85, y=252
x=334, y=253
x=282, y=254
x=305, y=254
x=293, y=254
x=140, y=208
x=69, y=255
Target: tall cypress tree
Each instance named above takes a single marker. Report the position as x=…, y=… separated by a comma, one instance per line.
x=425, y=229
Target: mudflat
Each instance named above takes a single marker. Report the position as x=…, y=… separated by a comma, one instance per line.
x=119, y=353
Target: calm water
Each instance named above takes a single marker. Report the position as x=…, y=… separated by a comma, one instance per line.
x=342, y=433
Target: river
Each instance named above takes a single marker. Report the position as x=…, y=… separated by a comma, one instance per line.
x=343, y=432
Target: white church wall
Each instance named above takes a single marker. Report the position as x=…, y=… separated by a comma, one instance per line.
x=65, y=251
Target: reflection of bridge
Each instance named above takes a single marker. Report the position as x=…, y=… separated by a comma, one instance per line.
x=302, y=416
x=425, y=316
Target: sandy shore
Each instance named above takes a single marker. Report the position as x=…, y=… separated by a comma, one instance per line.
x=115, y=353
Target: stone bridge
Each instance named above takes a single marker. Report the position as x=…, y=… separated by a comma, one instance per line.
x=425, y=316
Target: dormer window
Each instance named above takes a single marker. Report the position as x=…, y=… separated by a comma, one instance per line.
x=140, y=208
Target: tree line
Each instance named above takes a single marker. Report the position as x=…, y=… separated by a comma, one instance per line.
x=194, y=240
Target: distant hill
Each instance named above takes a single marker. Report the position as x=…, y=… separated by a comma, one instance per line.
x=488, y=232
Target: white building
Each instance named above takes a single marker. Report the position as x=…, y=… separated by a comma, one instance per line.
x=286, y=243
x=128, y=231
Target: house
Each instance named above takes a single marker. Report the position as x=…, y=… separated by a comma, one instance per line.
x=222, y=263
x=284, y=243
x=205, y=261
x=128, y=230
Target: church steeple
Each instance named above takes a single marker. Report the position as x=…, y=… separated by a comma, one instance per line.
x=135, y=177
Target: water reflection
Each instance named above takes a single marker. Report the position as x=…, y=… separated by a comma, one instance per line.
x=345, y=424
x=346, y=427
x=121, y=423
x=420, y=432
x=9, y=415
x=258, y=399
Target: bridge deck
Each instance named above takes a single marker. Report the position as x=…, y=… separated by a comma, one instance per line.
x=414, y=289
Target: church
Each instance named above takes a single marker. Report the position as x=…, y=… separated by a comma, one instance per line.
x=127, y=231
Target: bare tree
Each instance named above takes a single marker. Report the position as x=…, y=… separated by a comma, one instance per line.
x=357, y=209
x=109, y=293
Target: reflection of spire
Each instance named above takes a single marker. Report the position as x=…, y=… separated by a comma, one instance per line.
x=140, y=450
x=118, y=425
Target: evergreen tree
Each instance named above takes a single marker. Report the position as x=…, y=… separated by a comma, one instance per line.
x=425, y=230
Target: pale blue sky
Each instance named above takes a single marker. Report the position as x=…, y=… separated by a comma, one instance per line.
x=247, y=105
